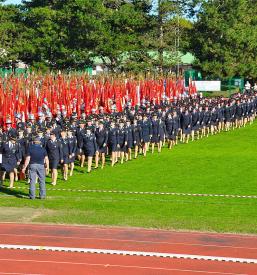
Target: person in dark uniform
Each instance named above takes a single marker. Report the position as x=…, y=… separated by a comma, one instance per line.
x=186, y=123
x=32, y=122
x=10, y=131
x=72, y=149
x=113, y=142
x=195, y=124
x=137, y=136
x=74, y=124
x=130, y=140
x=238, y=114
x=43, y=138
x=155, y=139
x=146, y=128
x=38, y=163
x=250, y=111
x=201, y=122
x=87, y=143
x=28, y=134
x=169, y=129
x=22, y=145
x=41, y=123
x=214, y=121
x=56, y=129
x=18, y=121
x=101, y=139
x=11, y=158
x=233, y=114
x=163, y=133
x=65, y=153
x=79, y=135
x=176, y=127
x=122, y=138
x=220, y=112
x=245, y=115
x=227, y=117
x=54, y=152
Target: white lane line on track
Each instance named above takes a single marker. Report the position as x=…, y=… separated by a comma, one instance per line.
x=130, y=229
x=119, y=266
x=129, y=253
x=143, y=193
x=131, y=241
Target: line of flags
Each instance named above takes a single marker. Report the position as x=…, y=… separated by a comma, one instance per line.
x=34, y=94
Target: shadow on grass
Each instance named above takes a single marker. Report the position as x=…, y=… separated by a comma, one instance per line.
x=13, y=192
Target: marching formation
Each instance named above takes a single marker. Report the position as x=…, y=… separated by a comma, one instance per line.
x=77, y=93
x=119, y=135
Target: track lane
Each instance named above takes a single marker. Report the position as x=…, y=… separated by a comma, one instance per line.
x=131, y=246
x=237, y=246
x=69, y=263
x=48, y=262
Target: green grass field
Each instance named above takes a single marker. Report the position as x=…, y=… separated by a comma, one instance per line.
x=221, y=164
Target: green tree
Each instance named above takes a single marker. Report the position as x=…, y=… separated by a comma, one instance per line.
x=63, y=32
x=224, y=38
x=11, y=34
x=42, y=41
x=169, y=33
x=123, y=33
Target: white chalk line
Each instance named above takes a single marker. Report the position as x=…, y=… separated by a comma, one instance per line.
x=126, y=241
x=129, y=253
x=113, y=265
x=141, y=192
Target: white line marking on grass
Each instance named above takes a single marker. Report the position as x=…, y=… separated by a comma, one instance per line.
x=129, y=253
x=143, y=193
x=119, y=266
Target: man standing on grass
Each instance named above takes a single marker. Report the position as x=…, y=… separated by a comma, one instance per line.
x=37, y=160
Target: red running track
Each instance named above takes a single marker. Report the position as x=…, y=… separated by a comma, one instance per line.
x=124, y=239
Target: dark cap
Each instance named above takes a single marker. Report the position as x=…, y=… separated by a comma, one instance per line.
x=82, y=121
x=12, y=137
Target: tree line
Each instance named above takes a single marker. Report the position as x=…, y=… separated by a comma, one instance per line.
x=131, y=35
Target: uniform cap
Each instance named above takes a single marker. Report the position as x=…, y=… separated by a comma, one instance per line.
x=31, y=116
x=82, y=121
x=13, y=137
x=74, y=115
